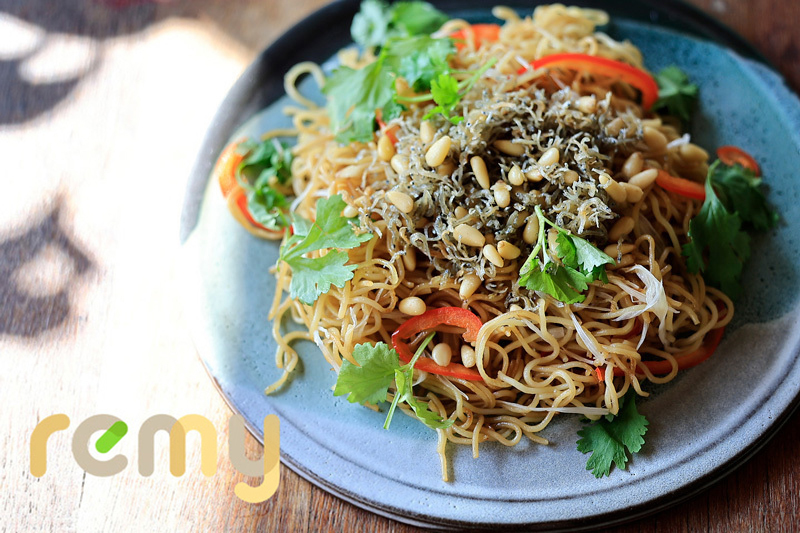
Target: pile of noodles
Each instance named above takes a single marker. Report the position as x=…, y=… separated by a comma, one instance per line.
x=538, y=356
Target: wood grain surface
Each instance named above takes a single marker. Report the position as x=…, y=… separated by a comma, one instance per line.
x=102, y=111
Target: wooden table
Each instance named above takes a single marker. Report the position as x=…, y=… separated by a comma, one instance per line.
x=102, y=112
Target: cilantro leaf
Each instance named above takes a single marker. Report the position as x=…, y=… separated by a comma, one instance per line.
x=417, y=18
x=370, y=26
x=265, y=165
x=353, y=97
x=421, y=66
x=738, y=189
x=376, y=22
x=369, y=381
x=608, y=438
x=444, y=90
x=580, y=264
x=312, y=277
x=718, y=230
x=676, y=93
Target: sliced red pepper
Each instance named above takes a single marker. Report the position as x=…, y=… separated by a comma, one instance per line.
x=682, y=186
x=428, y=321
x=482, y=33
x=685, y=361
x=225, y=173
x=732, y=155
x=603, y=66
x=386, y=130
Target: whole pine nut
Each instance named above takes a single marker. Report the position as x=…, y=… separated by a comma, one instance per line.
x=468, y=235
x=438, y=151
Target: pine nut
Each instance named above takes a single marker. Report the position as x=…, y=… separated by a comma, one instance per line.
x=461, y=212
x=632, y=165
x=586, y=104
x=615, y=126
x=385, y=148
x=632, y=193
x=501, y=194
x=469, y=285
x=654, y=139
x=534, y=175
x=625, y=260
x=479, y=169
x=509, y=148
x=507, y=250
x=446, y=168
x=441, y=354
x=399, y=163
x=550, y=157
x=515, y=176
x=621, y=228
x=401, y=201
x=493, y=255
x=615, y=250
x=349, y=212
x=466, y=234
x=519, y=219
x=531, y=232
x=691, y=153
x=438, y=151
x=410, y=258
x=570, y=177
x=652, y=163
x=412, y=305
x=467, y=356
x=614, y=190
x=426, y=132
x=644, y=179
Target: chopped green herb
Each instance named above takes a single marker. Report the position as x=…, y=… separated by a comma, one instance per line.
x=608, y=438
x=676, y=93
x=580, y=263
x=369, y=381
x=444, y=90
x=266, y=164
x=312, y=277
x=377, y=22
x=718, y=226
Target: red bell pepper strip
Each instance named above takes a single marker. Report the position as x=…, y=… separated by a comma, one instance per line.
x=225, y=173
x=482, y=33
x=682, y=186
x=685, y=361
x=386, y=130
x=428, y=321
x=731, y=155
x=603, y=66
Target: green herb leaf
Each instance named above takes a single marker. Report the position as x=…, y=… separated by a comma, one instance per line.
x=608, y=438
x=265, y=165
x=580, y=264
x=369, y=381
x=719, y=231
x=444, y=90
x=377, y=22
x=738, y=189
x=421, y=66
x=312, y=277
x=676, y=93
x=417, y=18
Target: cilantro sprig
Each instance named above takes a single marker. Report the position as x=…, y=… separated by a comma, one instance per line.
x=313, y=276
x=733, y=199
x=266, y=165
x=355, y=95
x=369, y=381
x=579, y=263
x=676, y=93
x=376, y=22
x=608, y=438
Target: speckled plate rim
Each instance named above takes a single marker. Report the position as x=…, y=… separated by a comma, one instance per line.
x=292, y=47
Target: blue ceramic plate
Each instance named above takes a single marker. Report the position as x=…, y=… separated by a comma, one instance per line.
x=702, y=425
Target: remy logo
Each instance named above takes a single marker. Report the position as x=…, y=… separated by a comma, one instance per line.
x=115, y=430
